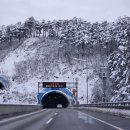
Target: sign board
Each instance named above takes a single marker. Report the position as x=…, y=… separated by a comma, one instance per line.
x=53, y=84
x=103, y=72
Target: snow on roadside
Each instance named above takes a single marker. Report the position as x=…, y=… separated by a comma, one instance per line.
x=24, y=93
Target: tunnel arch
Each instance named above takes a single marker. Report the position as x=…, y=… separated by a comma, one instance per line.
x=4, y=82
x=52, y=98
x=2, y=86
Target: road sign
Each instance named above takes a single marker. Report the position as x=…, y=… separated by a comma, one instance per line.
x=103, y=72
x=54, y=84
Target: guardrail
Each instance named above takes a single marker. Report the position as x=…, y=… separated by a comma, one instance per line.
x=17, y=108
x=117, y=105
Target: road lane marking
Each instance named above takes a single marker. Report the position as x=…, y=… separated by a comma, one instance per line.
x=118, y=128
x=49, y=120
x=55, y=114
x=21, y=116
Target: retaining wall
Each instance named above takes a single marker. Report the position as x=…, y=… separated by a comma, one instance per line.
x=16, y=108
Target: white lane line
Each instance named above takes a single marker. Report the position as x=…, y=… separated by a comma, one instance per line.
x=49, y=120
x=118, y=128
x=21, y=116
x=55, y=114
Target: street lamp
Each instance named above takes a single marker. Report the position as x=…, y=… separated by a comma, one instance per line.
x=103, y=75
x=76, y=90
x=87, y=83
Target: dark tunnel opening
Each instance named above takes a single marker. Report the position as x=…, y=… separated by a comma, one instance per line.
x=52, y=99
x=1, y=86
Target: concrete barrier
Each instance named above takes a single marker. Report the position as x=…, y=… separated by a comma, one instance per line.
x=113, y=111
x=17, y=108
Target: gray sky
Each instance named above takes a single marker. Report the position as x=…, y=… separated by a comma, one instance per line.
x=12, y=11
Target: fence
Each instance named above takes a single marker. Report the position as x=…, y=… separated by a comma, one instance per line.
x=117, y=105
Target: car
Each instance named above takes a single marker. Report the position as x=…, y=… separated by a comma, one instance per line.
x=59, y=106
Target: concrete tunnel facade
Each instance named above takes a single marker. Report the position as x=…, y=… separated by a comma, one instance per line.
x=51, y=97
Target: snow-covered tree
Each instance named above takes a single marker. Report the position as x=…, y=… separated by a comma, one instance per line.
x=119, y=61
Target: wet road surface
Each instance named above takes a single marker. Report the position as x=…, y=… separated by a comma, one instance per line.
x=65, y=119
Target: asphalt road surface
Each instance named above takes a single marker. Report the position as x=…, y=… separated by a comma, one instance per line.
x=65, y=119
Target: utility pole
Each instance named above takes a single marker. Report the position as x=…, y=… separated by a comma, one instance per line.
x=87, y=77
x=38, y=88
x=103, y=75
x=76, y=90
x=87, y=83
x=40, y=85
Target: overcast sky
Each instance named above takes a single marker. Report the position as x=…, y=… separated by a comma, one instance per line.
x=12, y=11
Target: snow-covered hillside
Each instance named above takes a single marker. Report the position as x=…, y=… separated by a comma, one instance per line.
x=25, y=91
x=50, y=50
x=24, y=52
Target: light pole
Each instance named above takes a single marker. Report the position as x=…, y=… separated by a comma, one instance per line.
x=103, y=75
x=76, y=90
x=87, y=82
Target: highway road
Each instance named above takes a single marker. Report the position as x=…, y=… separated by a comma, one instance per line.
x=65, y=119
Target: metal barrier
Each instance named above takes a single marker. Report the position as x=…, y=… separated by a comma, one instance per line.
x=117, y=105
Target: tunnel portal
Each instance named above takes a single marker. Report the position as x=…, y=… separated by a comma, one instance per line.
x=4, y=82
x=1, y=86
x=52, y=99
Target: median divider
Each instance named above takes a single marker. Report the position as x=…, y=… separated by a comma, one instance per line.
x=6, y=109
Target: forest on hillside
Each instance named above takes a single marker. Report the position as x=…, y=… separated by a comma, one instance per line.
x=83, y=40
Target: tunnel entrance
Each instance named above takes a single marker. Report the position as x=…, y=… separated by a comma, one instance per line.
x=1, y=86
x=53, y=99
